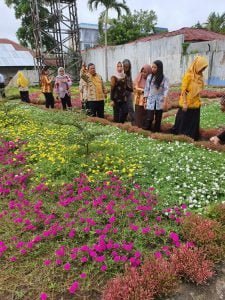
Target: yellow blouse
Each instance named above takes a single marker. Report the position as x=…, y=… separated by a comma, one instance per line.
x=186, y=88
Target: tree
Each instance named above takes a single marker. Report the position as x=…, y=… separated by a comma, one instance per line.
x=131, y=27
x=216, y=22
x=198, y=25
x=108, y=4
x=25, y=32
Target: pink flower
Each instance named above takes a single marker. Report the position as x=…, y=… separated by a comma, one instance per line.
x=58, y=262
x=13, y=259
x=112, y=219
x=145, y=230
x=67, y=266
x=103, y=268
x=74, y=287
x=72, y=233
x=83, y=275
x=83, y=259
x=47, y=262
x=174, y=236
x=43, y=296
x=134, y=227
x=158, y=254
x=116, y=258
x=100, y=258
x=158, y=219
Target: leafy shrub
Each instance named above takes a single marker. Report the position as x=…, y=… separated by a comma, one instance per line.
x=156, y=277
x=217, y=212
x=205, y=233
x=191, y=263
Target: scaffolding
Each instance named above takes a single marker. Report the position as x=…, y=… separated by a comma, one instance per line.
x=63, y=32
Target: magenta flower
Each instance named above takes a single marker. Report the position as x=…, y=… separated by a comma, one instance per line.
x=13, y=259
x=72, y=233
x=83, y=275
x=43, y=296
x=58, y=262
x=47, y=262
x=67, y=266
x=103, y=268
x=174, y=237
x=100, y=258
x=145, y=230
x=158, y=254
x=84, y=259
x=74, y=287
x=134, y=227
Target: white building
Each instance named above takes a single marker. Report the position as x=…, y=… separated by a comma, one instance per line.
x=89, y=35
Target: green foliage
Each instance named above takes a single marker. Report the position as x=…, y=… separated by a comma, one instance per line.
x=25, y=32
x=104, y=20
x=130, y=27
x=215, y=22
x=184, y=47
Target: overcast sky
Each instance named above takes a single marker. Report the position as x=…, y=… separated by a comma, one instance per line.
x=173, y=14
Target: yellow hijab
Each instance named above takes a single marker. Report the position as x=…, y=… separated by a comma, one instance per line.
x=22, y=80
x=197, y=84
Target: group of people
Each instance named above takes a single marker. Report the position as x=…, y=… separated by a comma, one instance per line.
x=60, y=85
x=143, y=100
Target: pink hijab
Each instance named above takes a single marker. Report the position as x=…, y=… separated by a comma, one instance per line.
x=139, y=80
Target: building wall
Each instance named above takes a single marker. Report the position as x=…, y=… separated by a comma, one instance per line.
x=170, y=51
x=88, y=38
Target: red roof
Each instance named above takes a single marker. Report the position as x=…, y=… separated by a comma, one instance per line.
x=190, y=35
x=16, y=46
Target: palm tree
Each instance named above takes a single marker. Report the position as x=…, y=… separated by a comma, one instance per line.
x=108, y=4
x=216, y=22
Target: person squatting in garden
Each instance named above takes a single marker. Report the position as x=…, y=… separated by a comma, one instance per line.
x=47, y=88
x=117, y=94
x=220, y=138
x=129, y=90
x=96, y=91
x=23, y=85
x=83, y=89
x=62, y=88
x=139, y=85
x=187, y=120
x=155, y=96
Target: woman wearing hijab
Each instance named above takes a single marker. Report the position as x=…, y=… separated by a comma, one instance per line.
x=129, y=89
x=187, y=120
x=139, y=85
x=23, y=84
x=155, y=96
x=62, y=88
x=117, y=94
x=47, y=88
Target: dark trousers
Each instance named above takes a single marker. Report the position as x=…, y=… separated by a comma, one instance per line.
x=221, y=136
x=66, y=102
x=96, y=108
x=130, y=107
x=24, y=95
x=2, y=90
x=49, y=100
x=120, y=110
x=151, y=116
